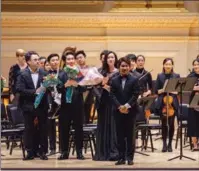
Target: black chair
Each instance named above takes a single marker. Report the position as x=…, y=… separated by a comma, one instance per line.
x=8, y=107
x=17, y=117
x=14, y=133
x=146, y=127
x=184, y=118
x=17, y=123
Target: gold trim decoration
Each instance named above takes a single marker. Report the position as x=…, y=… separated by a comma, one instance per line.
x=100, y=20
x=104, y=38
x=52, y=2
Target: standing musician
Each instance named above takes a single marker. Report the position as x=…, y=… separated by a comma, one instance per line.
x=80, y=57
x=168, y=117
x=145, y=83
x=124, y=93
x=28, y=86
x=71, y=112
x=53, y=60
x=193, y=117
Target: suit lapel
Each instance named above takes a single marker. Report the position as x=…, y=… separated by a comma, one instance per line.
x=29, y=78
x=126, y=83
x=39, y=79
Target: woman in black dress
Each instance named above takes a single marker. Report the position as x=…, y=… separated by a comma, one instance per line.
x=146, y=82
x=167, y=73
x=14, y=73
x=193, y=117
x=106, y=132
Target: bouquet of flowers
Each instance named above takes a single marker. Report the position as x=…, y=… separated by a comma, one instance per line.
x=73, y=73
x=3, y=82
x=92, y=77
x=49, y=81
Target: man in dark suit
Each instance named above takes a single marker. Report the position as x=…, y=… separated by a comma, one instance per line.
x=28, y=86
x=53, y=60
x=80, y=57
x=124, y=92
x=71, y=112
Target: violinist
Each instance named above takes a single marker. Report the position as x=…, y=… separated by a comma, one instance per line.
x=167, y=106
x=146, y=82
x=193, y=117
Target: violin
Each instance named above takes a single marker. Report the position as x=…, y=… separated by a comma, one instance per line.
x=168, y=109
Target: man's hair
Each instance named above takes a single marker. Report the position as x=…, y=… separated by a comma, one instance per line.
x=197, y=56
x=124, y=59
x=131, y=57
x=29, y=54
x=51, y=56
x=80, y=52
x=42, y=57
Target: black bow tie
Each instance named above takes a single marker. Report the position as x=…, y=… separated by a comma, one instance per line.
x=123, y=76
x=52, y=71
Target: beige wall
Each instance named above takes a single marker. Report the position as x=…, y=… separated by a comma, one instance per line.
x=168, y=37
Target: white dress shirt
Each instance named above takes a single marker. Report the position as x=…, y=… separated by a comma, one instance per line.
x=123, y=85
x=35, y=77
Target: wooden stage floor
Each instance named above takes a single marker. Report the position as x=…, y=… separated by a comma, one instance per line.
x=157, y=159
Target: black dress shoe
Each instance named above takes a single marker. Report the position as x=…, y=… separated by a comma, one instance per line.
x=164, y=149
x=43, y=157
x=80, y=157
x=169, y=148
x=120, y=162
x=52, y=152
x=130, y=162
x=63, y=156
x=29, y=157
x=36, y=155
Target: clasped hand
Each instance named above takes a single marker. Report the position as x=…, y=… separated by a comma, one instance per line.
x=123, y=109
x=71, y=83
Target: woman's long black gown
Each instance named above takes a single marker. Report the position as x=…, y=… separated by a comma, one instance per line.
x=106, y=140
x=193, y=117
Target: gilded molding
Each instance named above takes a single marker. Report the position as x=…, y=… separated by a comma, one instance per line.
x=107, y=20
x=104, y=38
x=55, y=2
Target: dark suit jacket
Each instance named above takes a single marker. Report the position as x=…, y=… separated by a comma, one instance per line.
x=128, y=95
x=25, y=87
x=77, y=97
x=159, y=85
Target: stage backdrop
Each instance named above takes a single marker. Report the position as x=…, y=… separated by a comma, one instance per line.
x=155, y=35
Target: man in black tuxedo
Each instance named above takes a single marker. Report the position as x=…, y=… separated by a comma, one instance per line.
x=124, y=92
x=28, y=86
x=71, y=112
x=53, y=60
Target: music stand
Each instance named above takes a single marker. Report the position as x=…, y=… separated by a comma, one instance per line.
x=146, y=103
x=195, y=102
x=180, y=85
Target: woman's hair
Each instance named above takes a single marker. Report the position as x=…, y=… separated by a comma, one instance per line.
x=105, y=66
x=138, y=56
x=197, y=59
x=69, y=49
x=165, y=61
x=46, y=61
x=104, y=52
